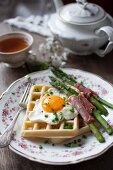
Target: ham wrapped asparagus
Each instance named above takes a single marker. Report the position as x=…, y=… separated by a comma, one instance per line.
x=83, y=106
x=87, y=92
x=92, y=96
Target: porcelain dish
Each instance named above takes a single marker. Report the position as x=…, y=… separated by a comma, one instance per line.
x=48, y=153
x=83, y=28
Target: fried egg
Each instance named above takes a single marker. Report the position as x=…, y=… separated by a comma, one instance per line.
x=52, y=108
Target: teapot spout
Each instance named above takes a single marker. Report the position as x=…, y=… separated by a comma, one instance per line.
x=58, y=4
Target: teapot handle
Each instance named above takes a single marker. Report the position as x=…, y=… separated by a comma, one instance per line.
x=109, y=31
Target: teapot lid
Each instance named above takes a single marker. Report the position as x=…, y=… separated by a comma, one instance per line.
x=81, y=12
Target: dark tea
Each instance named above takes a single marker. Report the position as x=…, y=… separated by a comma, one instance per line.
x=13, y=44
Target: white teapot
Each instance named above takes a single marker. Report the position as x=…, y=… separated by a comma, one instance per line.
x=83, y=27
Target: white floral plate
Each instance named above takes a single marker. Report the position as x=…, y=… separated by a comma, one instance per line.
x=48, y=153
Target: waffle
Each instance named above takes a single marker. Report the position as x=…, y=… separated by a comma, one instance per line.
x=82, y=129
x=55, y=132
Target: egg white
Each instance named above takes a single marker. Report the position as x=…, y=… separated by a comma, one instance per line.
x=40, y=115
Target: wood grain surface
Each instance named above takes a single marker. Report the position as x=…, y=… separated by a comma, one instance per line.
x=101, y=66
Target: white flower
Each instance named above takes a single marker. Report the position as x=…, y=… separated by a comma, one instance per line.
x=52, y=52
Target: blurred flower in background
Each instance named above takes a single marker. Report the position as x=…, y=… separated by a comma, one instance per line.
x=49, y=53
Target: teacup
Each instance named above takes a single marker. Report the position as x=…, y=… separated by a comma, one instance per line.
x=14, y=48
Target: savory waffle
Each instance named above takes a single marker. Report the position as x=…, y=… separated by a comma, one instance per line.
x=58, y=132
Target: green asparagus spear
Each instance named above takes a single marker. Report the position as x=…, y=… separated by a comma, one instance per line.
x=72, y=80
x=55, y=83
x=60, y=85
x=103, y=122
x=104, y=102
x=98, y=106
x=96, y=132
x=62, y=75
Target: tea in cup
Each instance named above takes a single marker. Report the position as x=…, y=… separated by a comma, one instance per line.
x=14, y=48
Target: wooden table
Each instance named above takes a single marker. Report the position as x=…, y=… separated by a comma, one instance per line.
x=101, y=66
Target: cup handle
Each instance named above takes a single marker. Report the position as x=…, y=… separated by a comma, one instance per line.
x=109, y=31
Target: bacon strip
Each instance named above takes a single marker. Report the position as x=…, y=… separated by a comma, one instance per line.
x=76, y=103
x=87, y=92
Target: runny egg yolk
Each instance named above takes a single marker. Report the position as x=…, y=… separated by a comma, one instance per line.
x=53, y=103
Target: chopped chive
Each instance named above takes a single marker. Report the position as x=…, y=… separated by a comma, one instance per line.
x=84, y=136
x=53, y=144
x=72, y=110
x=79, y=144
x=74, y=143
x=82, y=82
x=68, y=126
x=79, y=140
x=34, y=99
x=60, y=113
x=55, y=119
x=46, y=116
x=64, y=98
x=47, y=104
x=40, y=147
x=36, y=90
x=71, y=144
x=46, y=141
x=51, y=92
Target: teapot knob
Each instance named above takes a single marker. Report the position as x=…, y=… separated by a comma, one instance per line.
x=109, y=31
x=81, y=1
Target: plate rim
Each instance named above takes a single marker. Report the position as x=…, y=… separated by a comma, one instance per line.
x=41, y=160
x=60, y=163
